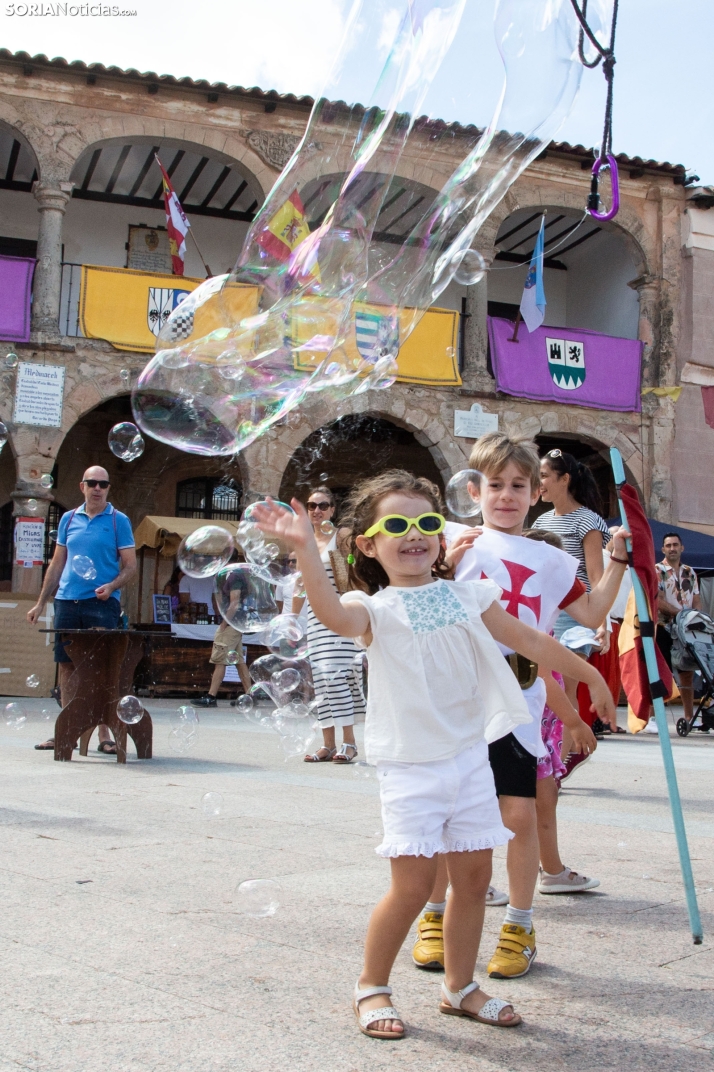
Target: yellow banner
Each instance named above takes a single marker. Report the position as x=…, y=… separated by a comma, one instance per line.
x=128, y=308
x=428, y=356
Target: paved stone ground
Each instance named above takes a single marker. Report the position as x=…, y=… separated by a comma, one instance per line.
x=123, y=949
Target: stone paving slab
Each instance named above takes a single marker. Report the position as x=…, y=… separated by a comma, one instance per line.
x=124, y=950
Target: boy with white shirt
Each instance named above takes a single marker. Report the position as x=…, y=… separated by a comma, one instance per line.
x=538, y=581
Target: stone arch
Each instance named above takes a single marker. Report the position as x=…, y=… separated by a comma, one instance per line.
x=268, y=457
x=28, y=159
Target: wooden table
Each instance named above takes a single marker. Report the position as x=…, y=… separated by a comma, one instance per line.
x=104, y=664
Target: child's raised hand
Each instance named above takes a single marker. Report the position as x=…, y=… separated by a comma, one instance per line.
x=458, y=547
x=275, y=520
x=602, y=703
x=617, y=546
x=583, y=738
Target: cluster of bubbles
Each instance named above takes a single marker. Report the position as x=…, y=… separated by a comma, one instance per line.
x=126, y=441
x=184, y=730
x=463, y=493
x=325, y=307
x=287, y=684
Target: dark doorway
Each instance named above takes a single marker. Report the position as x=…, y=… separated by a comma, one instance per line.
x=350, y=449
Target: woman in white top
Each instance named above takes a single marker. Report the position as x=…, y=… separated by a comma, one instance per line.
x=439, y=690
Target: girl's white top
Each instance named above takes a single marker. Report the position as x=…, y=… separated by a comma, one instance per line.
x=437, y=681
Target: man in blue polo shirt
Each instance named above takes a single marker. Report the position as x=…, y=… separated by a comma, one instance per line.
x=93, y=559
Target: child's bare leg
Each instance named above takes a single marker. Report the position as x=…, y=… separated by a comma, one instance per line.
x=470, y=874
x=441, y=883
x=412, y=879
x=519, y=815
x=546, y=804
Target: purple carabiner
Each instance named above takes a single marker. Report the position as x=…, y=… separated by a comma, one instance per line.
x=615, y=207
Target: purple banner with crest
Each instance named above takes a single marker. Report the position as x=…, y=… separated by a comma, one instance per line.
x=570, y=365
x=15, y=292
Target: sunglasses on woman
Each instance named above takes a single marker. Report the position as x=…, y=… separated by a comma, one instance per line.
x=398, y=525
x=97, y=484
x=319, y=506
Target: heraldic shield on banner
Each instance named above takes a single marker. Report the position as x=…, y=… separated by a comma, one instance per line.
x=566, y=363
x=376, y=335
x=162, y=302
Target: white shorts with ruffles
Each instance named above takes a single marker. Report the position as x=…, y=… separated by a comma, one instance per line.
x=449, y=805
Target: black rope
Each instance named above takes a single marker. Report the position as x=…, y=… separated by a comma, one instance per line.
x=606, y=56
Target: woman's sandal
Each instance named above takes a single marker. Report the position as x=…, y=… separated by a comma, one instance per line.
x=343, y=757
x=487, y=1014
x=386, y=1012
x=317, y=758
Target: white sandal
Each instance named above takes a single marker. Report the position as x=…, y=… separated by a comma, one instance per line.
x=387, y=1012
x=317, y=758
x=342, y=756
x=487, y=1014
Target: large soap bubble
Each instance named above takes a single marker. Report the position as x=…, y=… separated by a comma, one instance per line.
x=130, y=710
x=310, y=306
x=245, y=601
x=126, y=441
x=15, y=716
x=83, y=566
x=258, y=897
x=205, y=551
x=463, y=493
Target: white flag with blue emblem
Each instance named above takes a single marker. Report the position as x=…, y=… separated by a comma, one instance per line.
x=533, y=301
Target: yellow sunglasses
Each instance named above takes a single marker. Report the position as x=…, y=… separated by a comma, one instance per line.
x=398, y=525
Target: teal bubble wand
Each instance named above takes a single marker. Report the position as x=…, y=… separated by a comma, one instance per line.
x=657, y=693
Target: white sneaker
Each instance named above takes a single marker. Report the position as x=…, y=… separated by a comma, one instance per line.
x=567, y=881
x=496, y=897
x=651, y=726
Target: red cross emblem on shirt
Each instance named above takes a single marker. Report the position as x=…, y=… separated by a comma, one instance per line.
x=519, y=575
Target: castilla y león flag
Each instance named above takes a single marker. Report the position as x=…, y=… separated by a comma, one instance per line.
x=177, y=223
x=632, y=660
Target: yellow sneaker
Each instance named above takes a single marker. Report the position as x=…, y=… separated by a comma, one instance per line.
x=428, y=951
x=515, y=952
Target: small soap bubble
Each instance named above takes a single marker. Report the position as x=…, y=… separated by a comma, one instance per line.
x=324, y=477
x=53, y=535
x=470, y=267
x=84, y=568
x=31, y=506
x=47, y=714
x=186, y=713
x=32, y=681
x=46, y=480
x=180, y=741
x=205, y=551
x=126, y=441
x=11, y=359
x=245, y=703
x=211, y=804
x=14, y=716
x=232, y=657
x=130, y=710
x=3, y=435
x=327, y=528
x=244, y=600
x=125, y=375
x=286, y=680
x=463, y=493
x=258, y=897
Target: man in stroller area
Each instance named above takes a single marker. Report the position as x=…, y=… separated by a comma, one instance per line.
x=678, y=590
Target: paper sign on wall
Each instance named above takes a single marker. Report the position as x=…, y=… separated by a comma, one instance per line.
x=472, y=423
x=29, y=541
x=38, y=394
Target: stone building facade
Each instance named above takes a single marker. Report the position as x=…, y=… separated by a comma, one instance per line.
x=645, y=274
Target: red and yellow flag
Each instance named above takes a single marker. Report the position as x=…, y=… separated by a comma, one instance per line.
x=177, y=224
x=286, y=229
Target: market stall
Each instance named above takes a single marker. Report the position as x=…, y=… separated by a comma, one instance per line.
x=177, y=658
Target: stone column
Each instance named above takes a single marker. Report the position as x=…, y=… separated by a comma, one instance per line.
x=475, y=372
x=32, y=503
x=648, y=290
x=52, y=201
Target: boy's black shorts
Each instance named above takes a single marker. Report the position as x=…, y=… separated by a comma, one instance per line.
x=515, y=771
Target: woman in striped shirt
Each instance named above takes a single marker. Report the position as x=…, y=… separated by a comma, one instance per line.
x=576, y=519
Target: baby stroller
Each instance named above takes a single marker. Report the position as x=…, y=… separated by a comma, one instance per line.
x=693, y=649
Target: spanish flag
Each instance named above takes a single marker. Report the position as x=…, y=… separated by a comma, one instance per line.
x=286, y=229
x=632, y=659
